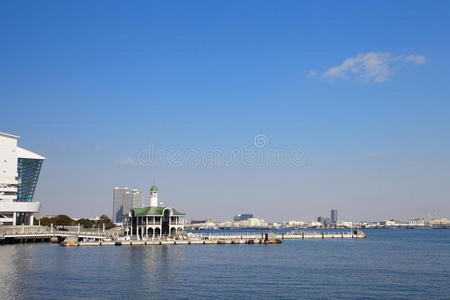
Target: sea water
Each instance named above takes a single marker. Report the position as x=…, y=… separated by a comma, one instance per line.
x=389, y=264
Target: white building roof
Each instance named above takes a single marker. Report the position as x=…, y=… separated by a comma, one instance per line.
x=9, y=135
x=24, y=153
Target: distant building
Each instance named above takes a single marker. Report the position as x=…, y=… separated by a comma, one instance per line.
x=19, y=173
x=416, y=222
x=201, y=221
x=334, y=216
x=327, y=222
x=294, y=223
x=388, y=223
x=250, y=223
x=440, y=223
x=346, y=224
x=125, y=199
x=154, y=221
x=315, y=224
x=136, y=199
x=443, y=221
x=320, y=220
x=242, y=217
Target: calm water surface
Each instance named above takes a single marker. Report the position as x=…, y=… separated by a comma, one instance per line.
x=390, y=264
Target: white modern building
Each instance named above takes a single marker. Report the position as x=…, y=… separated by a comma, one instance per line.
x=19, y=173
x=124, y=200
x=250, y=223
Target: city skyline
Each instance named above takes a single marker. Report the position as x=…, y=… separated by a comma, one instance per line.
x=202, y=104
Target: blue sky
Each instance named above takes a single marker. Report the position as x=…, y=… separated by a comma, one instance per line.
x=359, y=88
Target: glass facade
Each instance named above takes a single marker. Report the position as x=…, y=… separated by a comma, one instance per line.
x=28, y=170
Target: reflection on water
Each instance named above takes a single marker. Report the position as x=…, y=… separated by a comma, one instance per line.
x=389, y=264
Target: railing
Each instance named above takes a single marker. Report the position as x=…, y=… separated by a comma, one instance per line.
x=149, y=223
x=24, y=229
x=306, y=233
x=155, y=223
x=256, y=235
x=36, y=229
x=228, y=235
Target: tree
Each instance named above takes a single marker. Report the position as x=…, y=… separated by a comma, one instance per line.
x=86, y=223
x=59, y=220
x=63, y=220
x=46, y=221
x=104, y=219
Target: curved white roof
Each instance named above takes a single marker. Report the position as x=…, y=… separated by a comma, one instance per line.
x=9, y=135
x=24, y=153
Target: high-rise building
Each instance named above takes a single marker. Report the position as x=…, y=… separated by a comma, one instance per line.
x=138, y=200
x=334, y=216
x=118, y=195
x=124, y=200
x=19, y=173
x=242, y=217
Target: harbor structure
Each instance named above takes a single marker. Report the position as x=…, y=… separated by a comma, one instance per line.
x=155, y=221
x=125, y=199
x=19, y=173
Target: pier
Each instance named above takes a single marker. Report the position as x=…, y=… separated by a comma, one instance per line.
x=228, y=238
x=23, y=234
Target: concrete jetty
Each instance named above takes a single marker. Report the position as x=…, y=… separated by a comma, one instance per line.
x=232, y=238
x=174, y=242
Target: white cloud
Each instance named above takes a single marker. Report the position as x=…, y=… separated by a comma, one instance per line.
x=417, y=59
x=125, y=161
x=370, y=66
